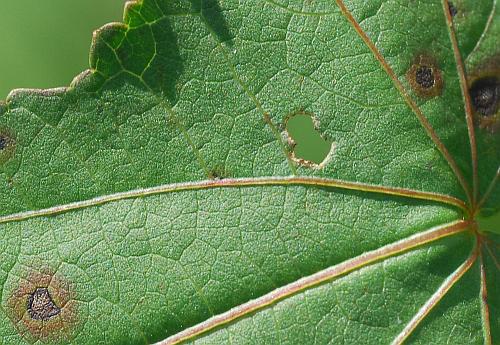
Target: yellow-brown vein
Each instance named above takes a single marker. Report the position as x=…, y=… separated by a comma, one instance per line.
x=238, y=183
x=436, y=297
x=467, y=100
x=316, y=279
x=485, y=310
x=407, y=98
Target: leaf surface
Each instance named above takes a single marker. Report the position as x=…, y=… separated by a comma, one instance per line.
x=159, y=197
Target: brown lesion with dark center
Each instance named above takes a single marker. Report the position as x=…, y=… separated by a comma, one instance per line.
x=484, y=91
x=425, y=77
x=41, y=306
x=219, y=172
x=485, y=95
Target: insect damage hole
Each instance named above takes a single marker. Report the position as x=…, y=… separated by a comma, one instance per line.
x=41, y=306
x=425, y=77
x=309, y=147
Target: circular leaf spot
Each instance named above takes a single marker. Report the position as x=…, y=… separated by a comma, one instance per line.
x=425, y=77
x=43, y=307
x=485, y=95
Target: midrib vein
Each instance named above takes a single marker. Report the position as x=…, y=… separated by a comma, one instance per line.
x=318, y=278
x=237, y=183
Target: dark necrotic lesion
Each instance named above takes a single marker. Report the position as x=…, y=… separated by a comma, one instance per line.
x=485, y=95
x=424, y=76
x=41, y=306
x=4, y=142
x=453, y=10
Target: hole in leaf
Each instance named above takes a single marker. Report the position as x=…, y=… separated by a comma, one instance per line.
x=425, y=77
x=309, y=147
x=485, y=95
x=41, y=306
x=50, y=45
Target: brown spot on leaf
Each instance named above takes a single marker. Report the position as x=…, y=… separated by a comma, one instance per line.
x=425, y=77
x=7, y=145
x=485, y=95
x=43, y=307
x=484, y=90
x=4, y=141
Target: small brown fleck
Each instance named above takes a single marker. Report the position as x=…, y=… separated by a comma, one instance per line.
x=219, y=172
x=7, y=145
x=453, y=10
x=425, y=77
x=4, y=141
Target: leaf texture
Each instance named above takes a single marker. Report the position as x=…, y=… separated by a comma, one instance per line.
x=158, y=199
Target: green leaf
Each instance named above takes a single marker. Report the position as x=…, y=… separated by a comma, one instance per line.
x=160, y=196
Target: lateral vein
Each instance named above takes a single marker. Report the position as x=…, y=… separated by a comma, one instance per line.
x=407, y=98
x=237, y=183
x=318, y=278
x=467, y=100
x=436, y=298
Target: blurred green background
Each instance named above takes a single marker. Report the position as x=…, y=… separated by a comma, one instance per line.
x=45, y=44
